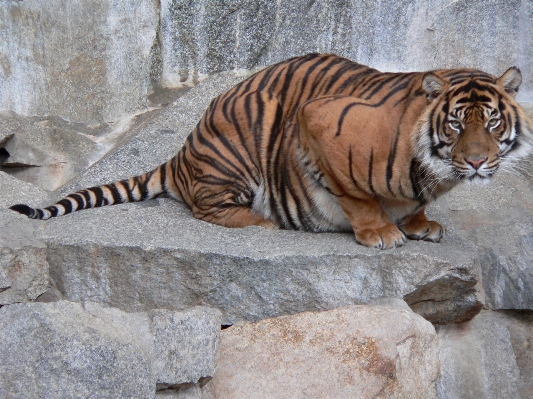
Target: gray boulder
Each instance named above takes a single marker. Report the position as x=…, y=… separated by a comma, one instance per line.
x=24, y=271
x=68, y=350
x=499, y=220
x=488, y=357
x=61, y=351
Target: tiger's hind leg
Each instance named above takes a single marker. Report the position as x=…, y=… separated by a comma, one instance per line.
x=225, y=160
x=418, y=227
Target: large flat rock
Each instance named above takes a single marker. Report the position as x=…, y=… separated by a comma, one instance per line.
x=353, y=352
x=156, y=255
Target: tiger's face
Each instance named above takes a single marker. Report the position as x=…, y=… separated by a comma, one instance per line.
x=472, y=126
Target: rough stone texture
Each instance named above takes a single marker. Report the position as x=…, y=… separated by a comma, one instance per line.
x=157, y=140
x=194, y=391
x=520, y=327
x=67, y=350
x=86, y=62
x=61, y=351
x=199, y=37
x=488, y=357
x=23, y=265
x=46, y=151
x=185, y=345
x=15, y=191
x=498, y=220
x=156, y=255
x=353, y=352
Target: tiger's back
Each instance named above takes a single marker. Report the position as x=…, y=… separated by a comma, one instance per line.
x=321, y=143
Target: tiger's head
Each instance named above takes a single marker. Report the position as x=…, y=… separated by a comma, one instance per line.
x=472, y=126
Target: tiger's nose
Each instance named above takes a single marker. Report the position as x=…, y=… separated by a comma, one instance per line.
x=476, y=162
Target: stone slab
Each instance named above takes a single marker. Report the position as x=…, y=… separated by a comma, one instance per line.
x=352, y=352
x=61, y=351
x=185, y=345
x=150, y=255
x=23, y=266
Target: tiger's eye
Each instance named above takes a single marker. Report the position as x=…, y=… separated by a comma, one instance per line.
x=455, y=125
x=493, y=122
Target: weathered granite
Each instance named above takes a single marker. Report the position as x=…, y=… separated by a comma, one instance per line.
x=23, y=265
x=358, y=351
x=156, y=255
x=185, y=345
x=499, y=220
x=15, y=191
x=488, y=357
x=67, y=350
x=59, y=350
x=199, y=37
x=84, y=62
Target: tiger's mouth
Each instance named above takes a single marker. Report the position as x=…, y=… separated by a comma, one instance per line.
x=476, y=175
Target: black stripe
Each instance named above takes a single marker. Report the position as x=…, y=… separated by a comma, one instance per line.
x=117, y=198
x=353, y=79
x=163, y=177
x=390, y=160
x=370, y=166
x=378, y=86
x=79, y=201
x=342, y=116
x=126, y=186
x=66, y=204
x=350, y=164
x=415, y=184
x=87, y=197
x=319, y=78
x=53, y=210
x=99, y=194
x=143, y=186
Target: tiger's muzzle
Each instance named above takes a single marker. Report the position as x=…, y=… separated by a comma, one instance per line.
x=475, y=155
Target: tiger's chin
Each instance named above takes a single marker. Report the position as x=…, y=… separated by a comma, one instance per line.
x=477, y=180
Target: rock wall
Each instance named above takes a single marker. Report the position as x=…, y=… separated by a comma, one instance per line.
x=128, y=301
x=93, y=62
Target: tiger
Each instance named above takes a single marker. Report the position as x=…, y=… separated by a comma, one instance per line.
x=321, y=143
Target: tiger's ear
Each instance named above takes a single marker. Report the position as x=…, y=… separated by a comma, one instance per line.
x=432, y=85
x=510, y=81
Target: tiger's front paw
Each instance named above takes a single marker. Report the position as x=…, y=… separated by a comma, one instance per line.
x=427, y=230
x=385, y=237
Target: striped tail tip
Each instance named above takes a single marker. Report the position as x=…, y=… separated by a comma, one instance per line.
x=25, y=210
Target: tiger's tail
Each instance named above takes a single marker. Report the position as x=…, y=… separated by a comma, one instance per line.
x=138, y=188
